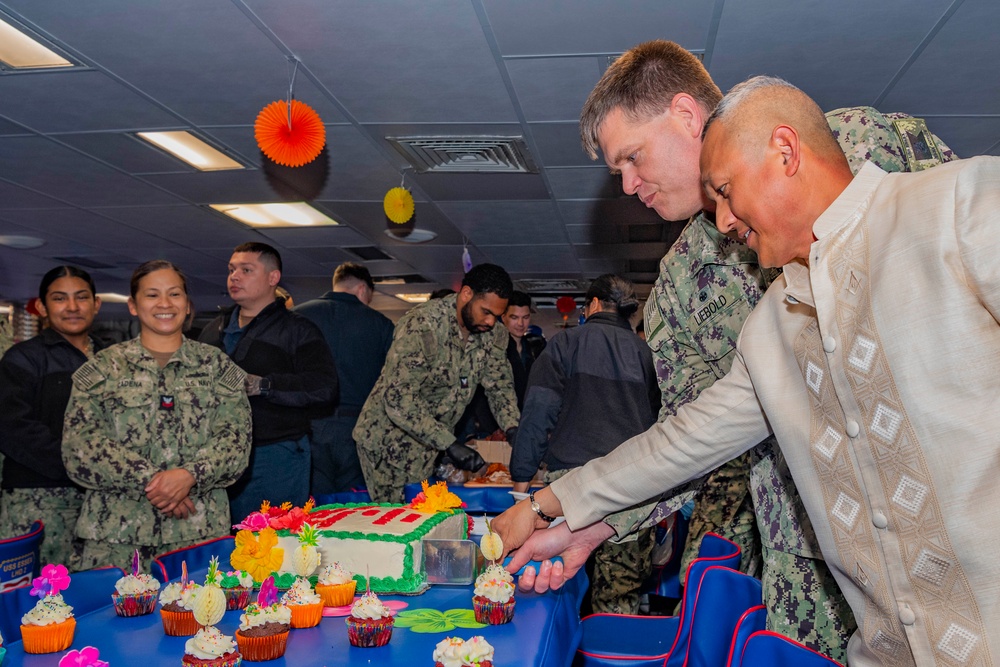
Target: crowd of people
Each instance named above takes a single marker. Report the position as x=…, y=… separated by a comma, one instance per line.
x=811, y=374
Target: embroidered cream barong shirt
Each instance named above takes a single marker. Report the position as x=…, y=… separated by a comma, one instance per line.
x=878, y=367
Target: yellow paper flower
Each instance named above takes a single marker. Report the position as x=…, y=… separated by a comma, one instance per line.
x=257, y=556
x=436, y=498
x=398, y=205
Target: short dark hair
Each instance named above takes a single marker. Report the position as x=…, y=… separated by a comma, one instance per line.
x=488, y=279
x=268, y=255
x=64, y=271
x=152, y=265
x=354, y=270
x=519, y=299
x=615, y=293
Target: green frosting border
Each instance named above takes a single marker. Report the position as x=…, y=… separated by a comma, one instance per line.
x=410, y=581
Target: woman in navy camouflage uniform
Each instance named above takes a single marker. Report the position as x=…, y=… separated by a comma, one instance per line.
x=156, y=428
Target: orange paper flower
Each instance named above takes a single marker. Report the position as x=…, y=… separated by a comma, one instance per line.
x=398, y=205
x=436, y=498
x=291, y=144
x=259, y=556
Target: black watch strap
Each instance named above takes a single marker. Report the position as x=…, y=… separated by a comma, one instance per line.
x=538, y=508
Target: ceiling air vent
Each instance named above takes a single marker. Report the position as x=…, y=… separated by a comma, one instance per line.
x=552, y=285
x=504, y=155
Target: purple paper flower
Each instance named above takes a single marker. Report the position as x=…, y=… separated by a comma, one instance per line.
x=268, y=593
x=255, y=523
x=54, y=579
x=88, y=656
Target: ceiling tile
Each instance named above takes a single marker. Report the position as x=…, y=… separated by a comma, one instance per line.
x=13, y=196
x=81, y=101
x=189, y=226
x=531, y=259
x=623, y=210
x=584, y=183
x=553, y=88
x=502, y=223
x=462, y=187
x=559, y=144
x=126, y=152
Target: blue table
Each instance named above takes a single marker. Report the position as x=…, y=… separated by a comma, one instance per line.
x=544, y=633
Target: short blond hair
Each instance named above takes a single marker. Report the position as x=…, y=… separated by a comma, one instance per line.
x=642, y=83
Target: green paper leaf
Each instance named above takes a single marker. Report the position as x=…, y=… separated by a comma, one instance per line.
x=434, y=620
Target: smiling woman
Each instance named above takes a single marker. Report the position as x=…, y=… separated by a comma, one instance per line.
x=157, y=428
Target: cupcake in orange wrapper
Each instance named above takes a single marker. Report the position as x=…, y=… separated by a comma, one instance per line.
x=176, y=611
x=264, y=626
x=135, y=594
x=370, y=623
x=305, y=605
x=493, y=599
x=210, y=648
x=336, y=586
x=237, y=585
x=49, y=626
x=456, y=652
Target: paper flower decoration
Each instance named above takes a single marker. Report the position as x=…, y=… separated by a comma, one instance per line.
x=54, y=579
x=306, y=556
x=398, y=205
x=294, y=143
x=255, y=523
x=436, y=498
x=88, y=656
x=258, y=556
x=135, y=563
x=268, y=594
x=209, y=600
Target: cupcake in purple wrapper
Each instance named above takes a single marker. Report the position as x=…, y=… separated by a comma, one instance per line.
x=370, y=623
x=237, y=586
x=493, y=599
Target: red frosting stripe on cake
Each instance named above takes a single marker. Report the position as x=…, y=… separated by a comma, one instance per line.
x=326, y=518
x=371, y=512
x=410, y=518
x=388, y=516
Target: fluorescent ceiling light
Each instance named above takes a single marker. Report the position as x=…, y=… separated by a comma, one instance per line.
x=414, y=298
x=191, y=149
x=293, y=214
x=113, y=297
x=22, y=52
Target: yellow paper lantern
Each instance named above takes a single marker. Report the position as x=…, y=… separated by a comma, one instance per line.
x=398, y=205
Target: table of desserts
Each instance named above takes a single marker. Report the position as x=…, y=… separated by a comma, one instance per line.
x=544, y=632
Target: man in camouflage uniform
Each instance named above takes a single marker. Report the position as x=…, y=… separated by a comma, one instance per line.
x=128, y=420
x=707, y=286
x=6, y=338
x=441, y=351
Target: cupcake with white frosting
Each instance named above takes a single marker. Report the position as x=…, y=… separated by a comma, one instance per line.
x=336, y=585
x=303, y=602
x=210, y=648
x=370, y=623
x=493, y=599
x=264, y=625
x=456, y=652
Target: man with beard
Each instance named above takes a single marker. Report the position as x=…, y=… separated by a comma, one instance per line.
x=442, y=350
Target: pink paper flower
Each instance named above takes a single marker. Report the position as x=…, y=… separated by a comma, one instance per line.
x=54, y=579
x=268, y=594
x=88, y=656
x=255, y=523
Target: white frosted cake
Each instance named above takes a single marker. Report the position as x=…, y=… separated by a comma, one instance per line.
x=383, y=540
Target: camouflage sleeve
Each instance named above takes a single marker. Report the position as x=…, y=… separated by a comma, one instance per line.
x=93, y=458
x=681, y=371
x=498, y=382
x=6, y=339
x=225, y=454
x=406, y=368
x=629, y=521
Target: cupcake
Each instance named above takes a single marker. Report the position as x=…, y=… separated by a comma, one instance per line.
x=210, y=648
x=135, y=594
x=493, y=601
x=49, y=626
x=454, y=652
x=370, y=623
x=305, y=605
x=177, y=600
x=336, y=586
x=237, y=585
x=264, y=626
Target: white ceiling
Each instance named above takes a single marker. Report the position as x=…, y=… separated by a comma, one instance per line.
x=72, y=173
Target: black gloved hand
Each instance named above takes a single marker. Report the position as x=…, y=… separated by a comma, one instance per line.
x=510, y=434
x=465, y=457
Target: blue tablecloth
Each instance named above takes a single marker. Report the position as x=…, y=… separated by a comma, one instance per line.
x=544, y=633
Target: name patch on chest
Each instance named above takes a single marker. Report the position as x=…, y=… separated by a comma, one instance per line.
x=705, y=313
x=130, y=383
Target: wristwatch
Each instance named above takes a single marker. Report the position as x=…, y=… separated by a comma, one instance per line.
x=265, y=386
x=538, y=508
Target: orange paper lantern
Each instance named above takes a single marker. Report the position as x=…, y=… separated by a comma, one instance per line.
x=291, y=144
